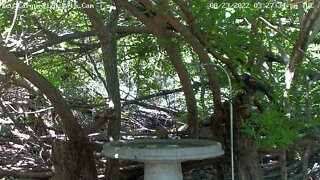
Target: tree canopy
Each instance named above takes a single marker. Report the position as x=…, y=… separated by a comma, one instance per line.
x=125, y=68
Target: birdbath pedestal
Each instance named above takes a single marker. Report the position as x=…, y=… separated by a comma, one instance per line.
x=162, y=157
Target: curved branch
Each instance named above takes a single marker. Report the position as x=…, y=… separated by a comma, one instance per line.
x=70, y=124
x=122, y=31
x=157, y=26
x=204, y=40
x=203, y=57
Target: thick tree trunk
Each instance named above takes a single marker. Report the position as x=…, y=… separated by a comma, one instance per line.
x=107, y=37
x=247, y=164
x=73, y=160
x=109, y=55
x=246, y=160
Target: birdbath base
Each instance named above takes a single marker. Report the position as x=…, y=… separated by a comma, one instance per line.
x=162, y=170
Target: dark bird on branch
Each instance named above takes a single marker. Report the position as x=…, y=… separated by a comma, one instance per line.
x=271, y=57
x=255, y=85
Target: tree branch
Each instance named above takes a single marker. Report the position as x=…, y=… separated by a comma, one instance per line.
x=157, y=25
x=71, y=126
x=204, y=41
x=122, y=31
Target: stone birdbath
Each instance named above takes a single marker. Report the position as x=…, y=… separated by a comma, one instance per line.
x=162, y=157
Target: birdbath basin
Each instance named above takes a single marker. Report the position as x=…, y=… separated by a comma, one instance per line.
x=162, y=157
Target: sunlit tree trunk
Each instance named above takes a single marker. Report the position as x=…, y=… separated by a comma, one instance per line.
x=107, y=36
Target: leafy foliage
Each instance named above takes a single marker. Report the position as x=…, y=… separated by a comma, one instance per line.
x=272, y=129
x=73, y=64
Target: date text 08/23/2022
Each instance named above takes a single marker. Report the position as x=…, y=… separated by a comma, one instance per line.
x=273, y=5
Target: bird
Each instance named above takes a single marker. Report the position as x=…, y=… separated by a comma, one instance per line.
x=161, y=132
x=255, y=85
